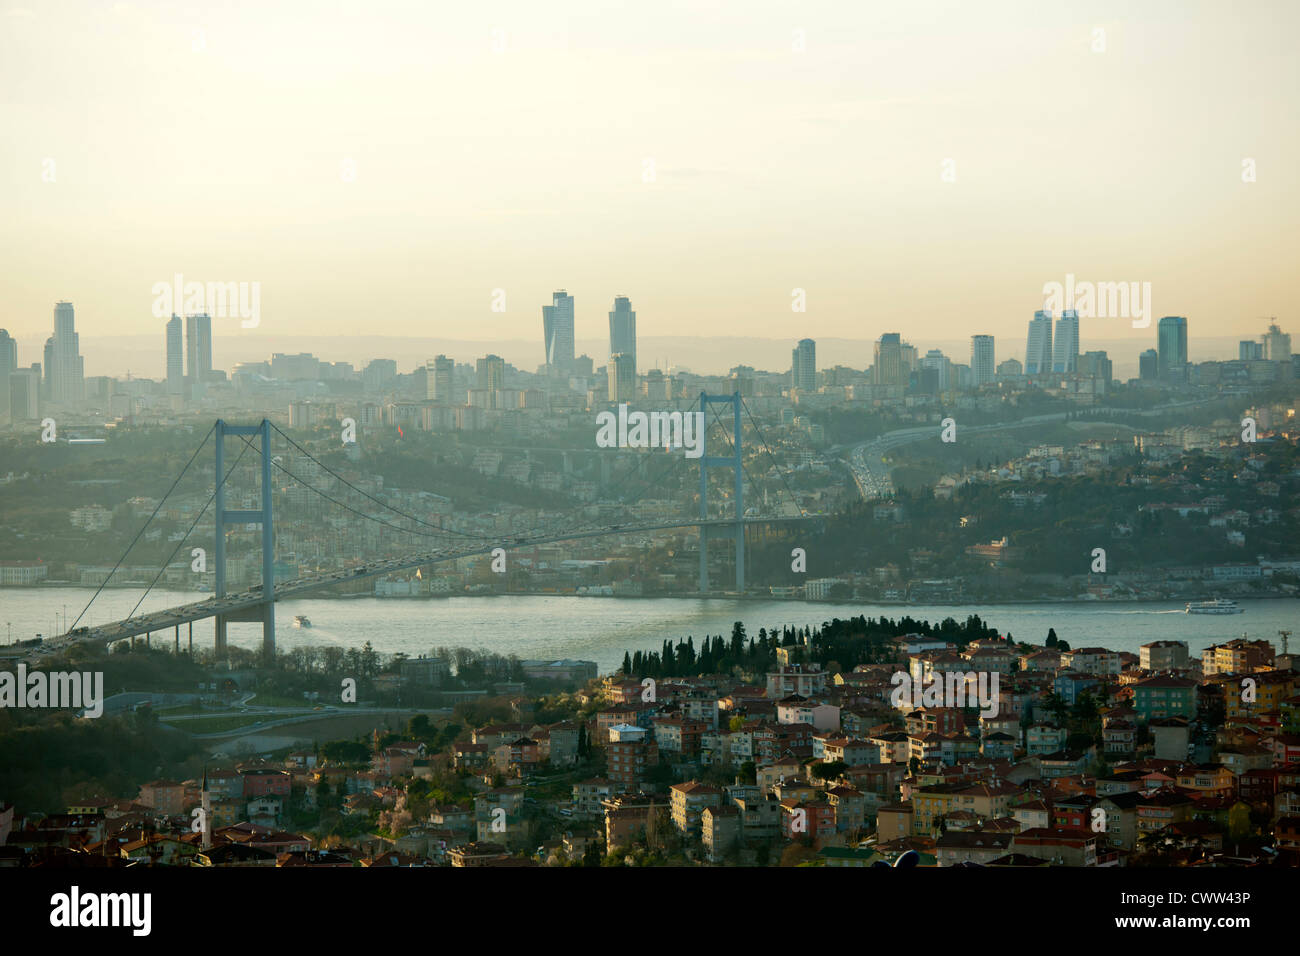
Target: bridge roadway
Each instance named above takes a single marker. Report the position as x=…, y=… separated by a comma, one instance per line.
x=232, y=604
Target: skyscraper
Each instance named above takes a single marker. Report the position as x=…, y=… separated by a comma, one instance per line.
x=938, y=363
x=557, y=326
x=982, y=363
x=1149, y=365
x=65, y=370
x=8, y=365
x=1171, y=339
x=175, y=357
x=1097, y=366
x=803, y=366
x=1277, y=344
x=622, y=378
x=47, y=383
x=379, y=375
x=622, y=329
x=1065, y=352
x=1248, y=351
x=1038, y=350
x=491, y=379
x=491, y=371
x=198, y=348
x=438, y=380
x=888, y=366
x=25, y=394
x=8, y=353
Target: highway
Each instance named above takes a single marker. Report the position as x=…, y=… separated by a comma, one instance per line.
x=866, y=460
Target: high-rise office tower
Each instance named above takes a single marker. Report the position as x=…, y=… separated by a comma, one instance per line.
x=1149, y=365
x=8, y=353
x=803, y=366
x=198, y=348
x=47, y=380
x=25, y=394
x=438, y=378
x=622, y=377
x=1171, y=340
x=491, y=371
x=1097, y=366
x=379, y=375
x=1065, y=350
x=935, y=361
x=64, y=366
x=1277, y=344
x=491, y=378
x=622, y=328
x=1248, y=351
x=557, y=327
x=175, y=357
x=1038, y=350
x=888, y=368
x=8, y=365
x=909, y=358
x=982, y=364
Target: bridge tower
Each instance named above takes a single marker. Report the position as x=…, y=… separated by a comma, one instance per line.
x=264, y=612
x=734, y=462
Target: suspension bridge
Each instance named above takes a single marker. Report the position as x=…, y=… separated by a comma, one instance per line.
x=257, y=603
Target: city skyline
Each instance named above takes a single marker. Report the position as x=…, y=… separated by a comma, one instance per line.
x=189, y=361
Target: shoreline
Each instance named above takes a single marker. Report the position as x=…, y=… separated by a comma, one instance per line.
x=696, y=596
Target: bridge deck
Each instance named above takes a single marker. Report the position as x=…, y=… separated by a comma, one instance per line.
x=231, y=604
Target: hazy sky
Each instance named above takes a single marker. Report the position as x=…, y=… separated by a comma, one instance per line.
x=504, y=145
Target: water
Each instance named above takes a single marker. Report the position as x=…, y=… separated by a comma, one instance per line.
x=601, y=629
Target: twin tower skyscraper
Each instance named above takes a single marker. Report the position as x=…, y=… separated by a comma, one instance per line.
x=1042, y=355
x=557, y=331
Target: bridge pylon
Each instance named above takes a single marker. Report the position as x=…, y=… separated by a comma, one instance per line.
x=264, y=612
x=734, y=462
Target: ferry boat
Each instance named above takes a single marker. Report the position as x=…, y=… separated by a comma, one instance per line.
x=301, y=620
x=1217, y=606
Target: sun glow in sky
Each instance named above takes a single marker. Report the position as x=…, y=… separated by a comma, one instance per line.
x=704, y=158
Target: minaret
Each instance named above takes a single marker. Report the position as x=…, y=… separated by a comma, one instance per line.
x=206, y=800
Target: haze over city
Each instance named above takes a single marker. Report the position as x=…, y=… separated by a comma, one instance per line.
x=386, y=168
x=700, y=434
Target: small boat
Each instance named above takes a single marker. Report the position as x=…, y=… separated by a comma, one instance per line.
x=1217, y=606
x=301, y=620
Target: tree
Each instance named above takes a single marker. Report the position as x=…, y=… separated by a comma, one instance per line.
x=418, y=727
x=797, y=854
x=828, y=771
x=737, y=648
x=1239, y=821
x=584, y=743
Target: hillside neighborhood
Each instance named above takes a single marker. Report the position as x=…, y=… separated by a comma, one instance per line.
x=1086, y=758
